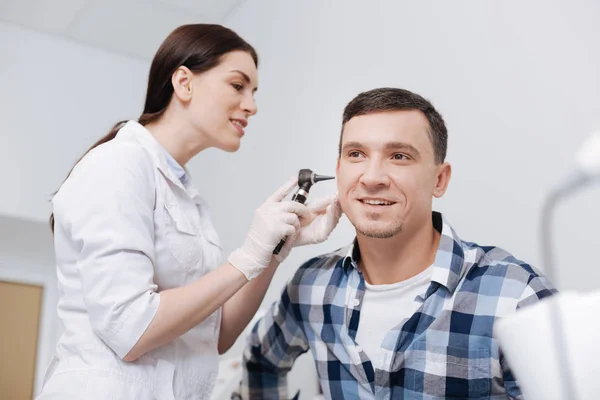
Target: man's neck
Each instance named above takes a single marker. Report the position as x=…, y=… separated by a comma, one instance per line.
x=386, y=261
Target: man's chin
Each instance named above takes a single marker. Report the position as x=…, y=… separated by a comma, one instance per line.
x=378, y=232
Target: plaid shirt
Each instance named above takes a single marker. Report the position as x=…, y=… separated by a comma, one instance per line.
x=446, y=349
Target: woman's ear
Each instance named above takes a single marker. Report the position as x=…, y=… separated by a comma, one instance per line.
x=182, y=83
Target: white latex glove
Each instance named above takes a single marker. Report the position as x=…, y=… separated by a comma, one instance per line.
x=325, y=214
x=273, y=220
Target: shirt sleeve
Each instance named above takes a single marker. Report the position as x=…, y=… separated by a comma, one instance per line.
x=276, y=341
x=537, y=288
x=106, y=210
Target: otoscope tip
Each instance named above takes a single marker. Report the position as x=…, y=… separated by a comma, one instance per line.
x=319, y=178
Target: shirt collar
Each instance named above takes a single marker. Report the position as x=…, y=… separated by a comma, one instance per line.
x=450, y=256
x=449, y=259
x=134, y=131
x=175, y=167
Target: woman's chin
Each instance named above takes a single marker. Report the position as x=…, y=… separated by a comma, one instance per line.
x=230, y=147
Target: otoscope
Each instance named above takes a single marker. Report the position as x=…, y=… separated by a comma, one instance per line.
x=306, y=178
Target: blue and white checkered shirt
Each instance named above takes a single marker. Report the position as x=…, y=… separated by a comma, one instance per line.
x=446, y=349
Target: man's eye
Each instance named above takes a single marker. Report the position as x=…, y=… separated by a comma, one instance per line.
x=400, y=156
x=354, y=154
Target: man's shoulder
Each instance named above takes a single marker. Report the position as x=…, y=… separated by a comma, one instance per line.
x=494, y=257
x=497, y=268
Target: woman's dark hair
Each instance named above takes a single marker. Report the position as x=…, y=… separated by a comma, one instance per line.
x=198, y=47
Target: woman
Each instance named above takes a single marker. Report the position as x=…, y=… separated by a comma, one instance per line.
x=146, y=307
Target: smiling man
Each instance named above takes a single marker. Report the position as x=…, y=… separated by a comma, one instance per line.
x=407, y=310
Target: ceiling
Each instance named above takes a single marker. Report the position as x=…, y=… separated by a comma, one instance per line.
x=132, y=27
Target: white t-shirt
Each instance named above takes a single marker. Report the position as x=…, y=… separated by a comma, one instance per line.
x=385, y=307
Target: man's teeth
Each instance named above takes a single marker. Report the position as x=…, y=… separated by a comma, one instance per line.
x=237, y=123
x=377, y=202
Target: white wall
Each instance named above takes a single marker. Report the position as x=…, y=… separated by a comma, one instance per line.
x=58, y=98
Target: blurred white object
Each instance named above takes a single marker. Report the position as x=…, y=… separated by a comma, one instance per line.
x=552, y=346
x=588, y=159
x=230, y=375
x=586, y=169
x=528, y=341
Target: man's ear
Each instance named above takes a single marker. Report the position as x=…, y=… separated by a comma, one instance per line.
x=443, y=179
x=182, y=83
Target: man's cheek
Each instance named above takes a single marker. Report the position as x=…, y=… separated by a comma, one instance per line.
x=344, y=203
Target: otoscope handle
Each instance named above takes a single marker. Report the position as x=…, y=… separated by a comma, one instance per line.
x=299, y=197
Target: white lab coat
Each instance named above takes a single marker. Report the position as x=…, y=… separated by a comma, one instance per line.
x=126, y=229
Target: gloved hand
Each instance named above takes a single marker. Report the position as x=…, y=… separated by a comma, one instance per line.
x=273, y=220
x=325, y=214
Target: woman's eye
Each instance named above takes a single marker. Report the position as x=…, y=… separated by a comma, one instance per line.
x=237, y=86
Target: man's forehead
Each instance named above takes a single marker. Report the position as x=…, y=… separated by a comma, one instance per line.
x=394, y=117
x=403, y=125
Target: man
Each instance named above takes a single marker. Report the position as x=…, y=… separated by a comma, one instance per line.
x=407, y=310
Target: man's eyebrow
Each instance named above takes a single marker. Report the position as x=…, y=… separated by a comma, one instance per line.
x=388, y=146
x=402, y=146
x=245, y=76
x=353, y=145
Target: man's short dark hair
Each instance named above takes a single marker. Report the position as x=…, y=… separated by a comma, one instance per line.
x=394, y=99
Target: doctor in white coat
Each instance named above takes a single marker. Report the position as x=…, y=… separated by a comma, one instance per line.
x=147, y=307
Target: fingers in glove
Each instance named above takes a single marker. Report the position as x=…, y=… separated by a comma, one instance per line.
x=291, y=219
x=288, y=225
x=332, y=217
x=297, y=208
x=319, y=206
x=336, y=208
x=290, y=230
x=283, y=191
x=321, y=227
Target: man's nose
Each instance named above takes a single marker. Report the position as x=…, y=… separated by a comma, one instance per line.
x=375, y=175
